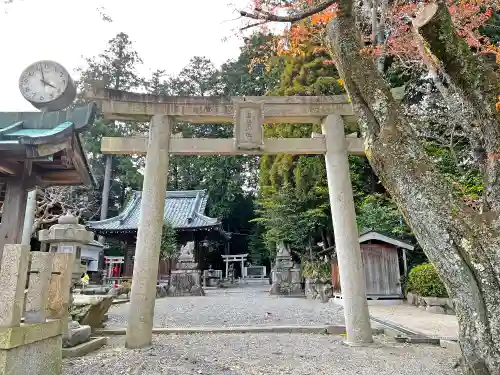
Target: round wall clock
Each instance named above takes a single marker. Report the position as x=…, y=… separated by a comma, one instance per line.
x=47, y=85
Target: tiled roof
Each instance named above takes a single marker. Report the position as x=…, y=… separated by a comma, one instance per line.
x=184, y=210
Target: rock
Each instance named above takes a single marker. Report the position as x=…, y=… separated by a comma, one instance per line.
x=275, y=288
x=411, y=298
x=118, y=291
x=77, y=336
x=435, y=301
x=90, y=310
x=160, y=291
x=172, y=291
x=435, y=309
x=197, y=290
x=325, y=293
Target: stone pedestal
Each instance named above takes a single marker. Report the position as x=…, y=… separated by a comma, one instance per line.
x=287, y=278
x=186, y=279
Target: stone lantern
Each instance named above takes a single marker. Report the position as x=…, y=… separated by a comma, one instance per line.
x=67, y=236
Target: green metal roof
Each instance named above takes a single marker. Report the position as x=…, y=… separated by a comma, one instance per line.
x=41, y=135
x=184, y=210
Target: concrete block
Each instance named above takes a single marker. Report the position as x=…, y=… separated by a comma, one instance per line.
x=12, y=337
x=37, y=358
x=452, y=346
x=435, y=309
x=93, y=344
x=76, y=336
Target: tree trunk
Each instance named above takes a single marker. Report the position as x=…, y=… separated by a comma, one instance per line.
x=462, y=244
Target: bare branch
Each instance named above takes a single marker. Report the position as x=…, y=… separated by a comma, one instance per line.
x=262, y=15
x=260, y=23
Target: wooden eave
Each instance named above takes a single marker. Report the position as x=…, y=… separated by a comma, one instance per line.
x=45, y=147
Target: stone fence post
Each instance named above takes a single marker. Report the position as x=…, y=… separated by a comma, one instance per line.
x=35, y=346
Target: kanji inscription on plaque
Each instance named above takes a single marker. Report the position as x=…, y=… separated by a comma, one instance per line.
x=248, y=121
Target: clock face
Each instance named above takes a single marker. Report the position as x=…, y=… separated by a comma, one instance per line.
x=43, y=82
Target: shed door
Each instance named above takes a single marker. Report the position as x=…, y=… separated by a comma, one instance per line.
x=381, y=270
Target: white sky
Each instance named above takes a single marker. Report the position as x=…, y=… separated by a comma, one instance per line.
x=165, y=36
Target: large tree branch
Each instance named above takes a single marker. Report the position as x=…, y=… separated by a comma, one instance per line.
x=460, y=243
x=262, y=15
x=477, y=82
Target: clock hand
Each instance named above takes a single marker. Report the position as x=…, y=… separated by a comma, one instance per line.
x=48, y=84
x=41, y=71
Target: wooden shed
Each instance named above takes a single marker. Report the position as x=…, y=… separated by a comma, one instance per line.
x=384, y=262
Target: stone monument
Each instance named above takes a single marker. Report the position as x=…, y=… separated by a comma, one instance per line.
x=185, y=280
x=287, y=279
x=67, y=237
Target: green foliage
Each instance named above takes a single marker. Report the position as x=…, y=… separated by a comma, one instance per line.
x=379, y=213
x=168, y=246
x=317, y=271
x=259, y=254
x=293, y=201
x=245, y=75
x=117, y=68
x=424, y=281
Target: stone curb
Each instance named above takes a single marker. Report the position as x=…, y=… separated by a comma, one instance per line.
x=453, y=346
x=330, y=330
x=403, y=334
x=85, y=348
x=120, y=301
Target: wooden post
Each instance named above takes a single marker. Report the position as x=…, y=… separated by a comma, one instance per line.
x=405, y=262
x=29, y=218
x=147, y=251
x=105, y=191
x=14, y=209
x=352, y=277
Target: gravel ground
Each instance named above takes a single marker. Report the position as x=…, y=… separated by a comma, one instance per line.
x=234, y=307
x=262, y=354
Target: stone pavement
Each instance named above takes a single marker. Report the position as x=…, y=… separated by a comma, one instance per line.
x=246, y=306
x=417, y=320
x=262, y=354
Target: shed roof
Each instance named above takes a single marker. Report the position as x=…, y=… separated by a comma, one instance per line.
x=184, y=210
x=369, y=234
x=50, y=142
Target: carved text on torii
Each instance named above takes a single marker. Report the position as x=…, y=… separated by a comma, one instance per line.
x=248, y=122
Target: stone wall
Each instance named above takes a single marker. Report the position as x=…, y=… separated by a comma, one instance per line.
x=433, y=305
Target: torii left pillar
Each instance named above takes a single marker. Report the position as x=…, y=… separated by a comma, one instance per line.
x=147, y=250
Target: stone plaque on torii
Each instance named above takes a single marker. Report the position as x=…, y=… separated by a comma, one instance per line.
x=248, y=114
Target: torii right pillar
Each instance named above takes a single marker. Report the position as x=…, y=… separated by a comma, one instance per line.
x=352, y=278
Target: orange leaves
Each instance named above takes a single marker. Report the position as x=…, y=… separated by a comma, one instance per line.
x=324, y=17
x=498, y=104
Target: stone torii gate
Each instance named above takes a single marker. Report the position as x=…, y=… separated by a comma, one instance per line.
x=248, y=115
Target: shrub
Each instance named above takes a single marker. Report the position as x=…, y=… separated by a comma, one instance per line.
x=318, y=271
x=126, y=284
x=424, y=281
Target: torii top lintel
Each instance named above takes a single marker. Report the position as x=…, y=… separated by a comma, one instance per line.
x=123, y=105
